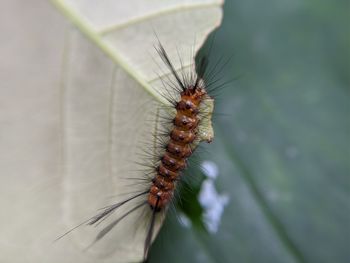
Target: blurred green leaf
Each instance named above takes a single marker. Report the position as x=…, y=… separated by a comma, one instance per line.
x=76, y=110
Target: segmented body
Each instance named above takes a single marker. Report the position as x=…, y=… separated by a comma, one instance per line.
x=178, y=149
x=190, y=126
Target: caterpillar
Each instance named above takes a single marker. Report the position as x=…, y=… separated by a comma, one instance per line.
x=189, y=122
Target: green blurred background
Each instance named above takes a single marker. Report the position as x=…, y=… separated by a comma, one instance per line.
x=282, y=143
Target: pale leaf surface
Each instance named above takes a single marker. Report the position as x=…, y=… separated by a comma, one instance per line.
x=73, y=124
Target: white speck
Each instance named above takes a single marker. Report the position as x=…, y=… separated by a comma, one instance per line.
x=204, y=134
x=184, y=220
x=210, y=169
x=212, y=202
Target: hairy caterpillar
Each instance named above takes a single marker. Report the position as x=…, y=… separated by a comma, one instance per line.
x=187, y=122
